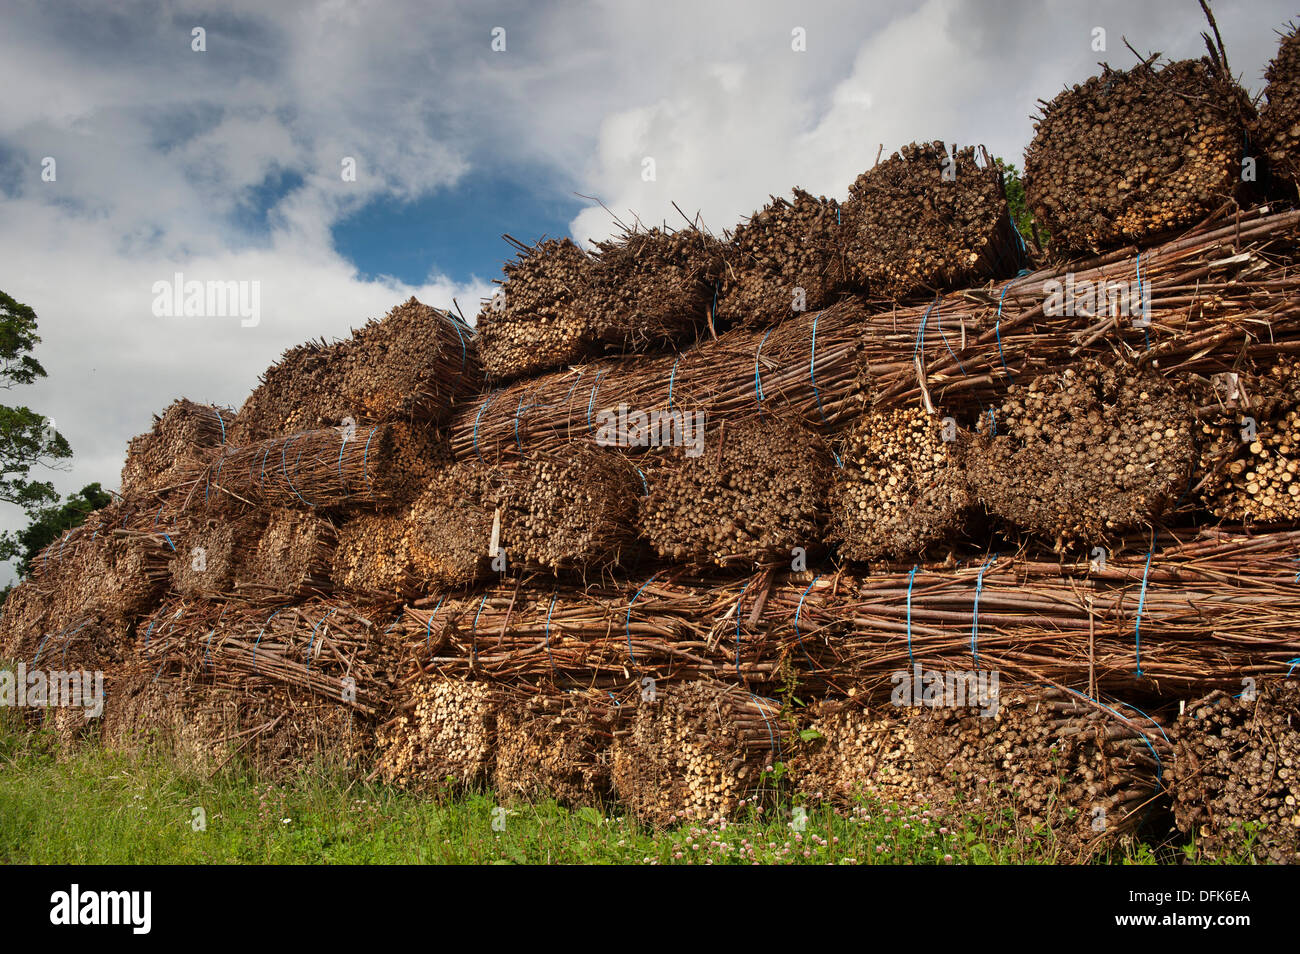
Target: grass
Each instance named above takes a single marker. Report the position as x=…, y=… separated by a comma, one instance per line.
x=95, y=807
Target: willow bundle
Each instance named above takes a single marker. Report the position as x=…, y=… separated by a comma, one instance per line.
x=850, y=750
x=610, y=635
x=415, y=363
x=756, y=490
x=1133, y=153
x=1085, y=454
x=901, y=485
x=929, y=219
x=571, y=511
x=1278, y=130
x=94, y=639
x=697, y=751
x=788, y=259
x=1253, y=474
x=164, y=455
x=211, y=551
x=539, y=319
x=1136, y=623
x=1222, y=293
x=808, y=366
x=1234, y=777
x=292, y=557
x=449, y=528
x=556, y=745
x=325, y=649
x=373, y=557
x=1091, y=775
x=326, y=468
x=445, y=732
x=653, y=287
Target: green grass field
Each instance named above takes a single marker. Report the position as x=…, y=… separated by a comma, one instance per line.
x=93, y=807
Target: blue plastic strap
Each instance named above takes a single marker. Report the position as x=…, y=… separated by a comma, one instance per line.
x=812, y=364
x=343, y=480
x=1137, y=623
x=592, y=400
x=222, y=422
x=285, y=471
x=474, y=631
x=263, y=633
x=365, y=460
x=482, y=408
x=518, y=408
x=775, y=742
x=797, y=612
x=547, y=635
x=672, y=376
x=428, y=629
x=312, y=641
x=975, y=613
x=911, y=578
x=758, y=382
x=738, y=602
x=997, y=328
x=1141, y=735
x=627, y=624
x=644, y=483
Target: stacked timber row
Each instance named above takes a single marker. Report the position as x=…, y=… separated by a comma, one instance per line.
x=876, y=492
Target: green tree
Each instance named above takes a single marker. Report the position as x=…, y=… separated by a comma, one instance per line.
x=49, y=523
x=27, y=439
x=1019, y=205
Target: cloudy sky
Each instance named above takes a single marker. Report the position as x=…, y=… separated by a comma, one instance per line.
x=228, y=164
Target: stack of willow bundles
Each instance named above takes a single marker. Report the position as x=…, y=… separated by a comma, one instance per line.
x=1222, y=293
x=1234, y=776
x=1086, y=454
x=571, y=511
x=330, y=651
x=756, y=490
x=333, y=467
x=94, y=638
x=653, y=287
x=445, y=732
x=210, y=551
x=1092, y=775
x=164, y=455
x=1134, y=153
x=901, y=485
x=808, y=366
x=697, y=750
x=1138, y=623
x=292, y=557
x=539, y=318
x=1253, y=475
x=849, y=751
x=929, y=219
x=610, y=636
x=415, y=363
x=1279, y=121
x=789, y=259
x=556, y=745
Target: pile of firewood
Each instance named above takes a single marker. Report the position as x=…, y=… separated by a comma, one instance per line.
x=653, y=288
x=444, y=733
x=927, y=218
x=757, y=491
x=900, y=486
x=1278, y=131
x=1134, y=153
x=696, y=750
x=163, y=455
x=557, y=745
x=1086, y=454
x=416, y=363
x=787, y=258
x=539, y=319
x=1249, y=468
x=1235, y=771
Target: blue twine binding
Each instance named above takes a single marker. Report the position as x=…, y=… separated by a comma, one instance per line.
x=975, y=624
x=798, y=610
x=911, y=578
x=627, y=624
x=1137, y=623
